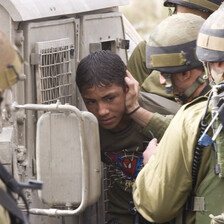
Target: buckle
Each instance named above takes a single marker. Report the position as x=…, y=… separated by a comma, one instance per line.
x=196, y=204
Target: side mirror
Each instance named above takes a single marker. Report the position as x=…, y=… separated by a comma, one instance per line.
x=68, y=159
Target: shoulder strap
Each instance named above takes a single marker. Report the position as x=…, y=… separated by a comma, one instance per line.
x=197, y=156
x=10, y=205
x=12, y=186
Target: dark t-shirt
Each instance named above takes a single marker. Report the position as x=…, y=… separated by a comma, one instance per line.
x=122, y=154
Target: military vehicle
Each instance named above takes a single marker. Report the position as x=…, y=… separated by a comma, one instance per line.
x=46, y=133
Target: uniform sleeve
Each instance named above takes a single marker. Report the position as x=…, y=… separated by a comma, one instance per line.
x=152, y=85
x=163, y=109
x=159, y=104
x=157, y=125
x=163, y=185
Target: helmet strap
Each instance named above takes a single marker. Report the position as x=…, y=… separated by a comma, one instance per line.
x=169, y=83
x=189, y=91
x=208, y=73
x=219, y=78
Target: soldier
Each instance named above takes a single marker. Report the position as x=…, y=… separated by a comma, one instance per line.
x=180, y=177
x=181, y=71
x=10, y=70
x=137, y=62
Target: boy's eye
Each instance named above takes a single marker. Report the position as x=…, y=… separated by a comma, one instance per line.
x=109, y=99
x=89, y=102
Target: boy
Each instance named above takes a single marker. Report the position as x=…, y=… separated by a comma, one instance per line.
x=106, y=88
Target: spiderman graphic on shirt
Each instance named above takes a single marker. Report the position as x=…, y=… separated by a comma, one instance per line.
x=123, y=167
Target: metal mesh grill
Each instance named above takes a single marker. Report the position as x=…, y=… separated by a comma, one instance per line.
x=55, y=76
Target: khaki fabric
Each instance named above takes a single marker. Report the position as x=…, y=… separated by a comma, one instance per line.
x=163, y=185
x=4, y=215
x=158, y=125
x=137, y=63
x=188, y=23
x=159, y=104
x=8, y=76
x=152, y=85
x=164, y=110
x=8, y=57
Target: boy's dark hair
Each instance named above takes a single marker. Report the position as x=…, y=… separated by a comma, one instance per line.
x=100, y=68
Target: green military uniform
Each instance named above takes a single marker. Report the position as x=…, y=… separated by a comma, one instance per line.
x=137, y=63
x=164, y=184
x=152, y=85
x=163, y=109
x=122, y=153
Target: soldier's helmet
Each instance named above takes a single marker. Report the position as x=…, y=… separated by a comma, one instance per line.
x=10, y=63
x=210, y=42
x=203, y=5
x=171, y=45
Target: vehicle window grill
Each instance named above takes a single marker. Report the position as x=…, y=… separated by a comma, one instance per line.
x=54, y=77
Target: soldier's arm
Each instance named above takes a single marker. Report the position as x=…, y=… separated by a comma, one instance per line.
x=153, y=111
x=163, y=185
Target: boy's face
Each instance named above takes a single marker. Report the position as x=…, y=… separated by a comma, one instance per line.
x=108, y=105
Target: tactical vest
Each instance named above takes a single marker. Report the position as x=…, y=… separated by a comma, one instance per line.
x=209, y=197
x=211, y=192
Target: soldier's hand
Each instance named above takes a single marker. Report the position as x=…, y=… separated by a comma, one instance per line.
x=149, y=150
x=132, y=93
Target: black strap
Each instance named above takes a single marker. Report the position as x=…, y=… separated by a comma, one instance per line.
x=9, y=180
x=205, y=90
x=197, y=156
x=13, y=186
x=10, y=205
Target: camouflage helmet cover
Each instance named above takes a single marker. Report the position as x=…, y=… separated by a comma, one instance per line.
x=210, y=41
x=202, y=5
x=171, y=51
x=10, y=63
